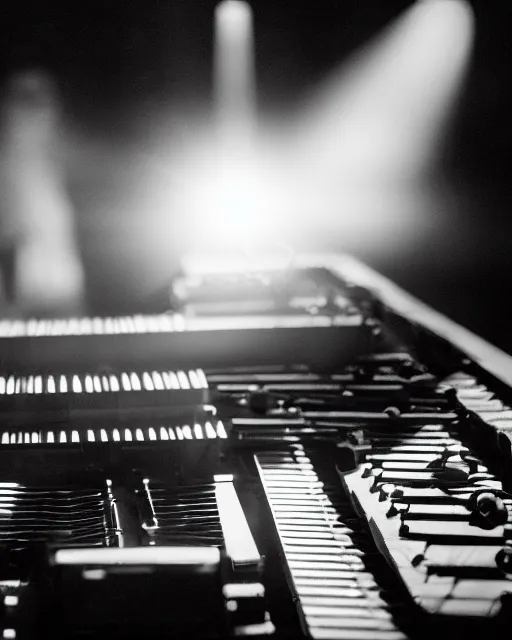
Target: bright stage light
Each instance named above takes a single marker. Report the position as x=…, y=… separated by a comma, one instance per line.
x=350, y=174
x=234, y=73
x=369, y=137
x=382, y=113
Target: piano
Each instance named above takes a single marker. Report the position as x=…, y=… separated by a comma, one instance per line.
x=286, y=453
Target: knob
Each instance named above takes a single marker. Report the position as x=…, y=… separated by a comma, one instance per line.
x=504, y=561
x=260, y=401
x=487, y=510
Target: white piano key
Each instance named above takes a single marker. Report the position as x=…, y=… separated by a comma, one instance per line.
x=152, y=324
x=3, y=385
x=16, y=327
x=116, y=436
x=164, y=435
x=140, y=324
x=39, y=328
x=130, y=325
x=202, y=378
x=90, y=436
x=187, y=432
x=86, y=326
x=183, y=380
x=147, y=382
x=116, y=326
x=198, y=432
x=125, y=382
x=194, y=380
x=63, y=437
x=97, y=326
x=5, y=438
x=105, y=386
x=103, y=435
x=221, y=431
x=50, y=384
x=165, y=322
x=19, y=439
x=123, y=325
x=135, y=382
x=157, y=381
x=174, y=381
x=75, y=436
x=178, y=322
x=128, y=435
x=167, y=380
x=172, y=434
x=89, y=387
x=239, y=541
x=179, y=433
x=114, y=383
x=152, y=434
x=17, y=386
x=63, y=384
x=139, y=435
x=13, y=438
x=76, y=384
x=31, y=327
x=10, y=386
x=210, y=431
x=108, y=325
x=38, y=384
x=30, y=384
x=72, y=326
x=57, y=328
x=96, y=381
x=50, y=437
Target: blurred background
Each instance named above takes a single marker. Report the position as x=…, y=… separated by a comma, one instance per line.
x=383, y=129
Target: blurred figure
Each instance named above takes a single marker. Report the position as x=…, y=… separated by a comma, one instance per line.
x=40, y=265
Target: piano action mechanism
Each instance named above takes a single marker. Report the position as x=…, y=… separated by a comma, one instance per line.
x=308, y=452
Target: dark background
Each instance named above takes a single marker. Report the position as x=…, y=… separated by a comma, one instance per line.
x=121, y=63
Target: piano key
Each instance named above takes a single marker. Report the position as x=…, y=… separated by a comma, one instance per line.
x=114, y=383
x=76, y=384
x=125, y=382
x=157, y=381
x=88, y=384
x=475, y=608
x=461, y=556
x=135, y=382
x=319, y=633
x=343, y=579
x=240, y=544
x=427, y=529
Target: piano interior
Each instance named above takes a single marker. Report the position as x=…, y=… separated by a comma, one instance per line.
x=295, y=453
